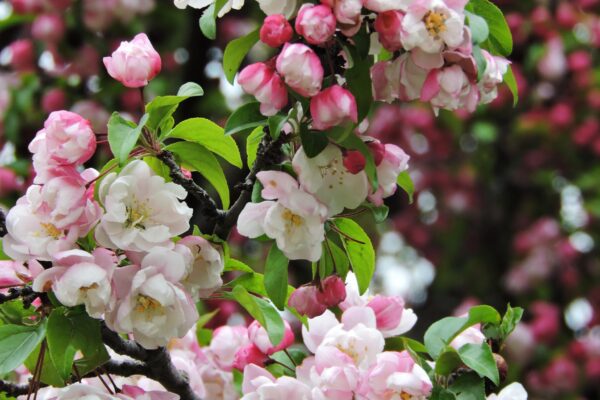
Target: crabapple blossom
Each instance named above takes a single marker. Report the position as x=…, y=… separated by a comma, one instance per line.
x=79, y=391
x=316, y=23
x=78, y=277
x=332, y=291
x=432, y=24
x=333, y=106
x=332, y=374
x=204, y=271
x=514, y=391
x=141, y=209
x=295, y=220
x=13, y=273
x=249, y=354
x=260, y=384
x=347, y=13
x=50, y=218
x=493, y=75
x=225, y=343
x=394, y=161
x=266, y=85
x=276, y=30
x=305, y=301
x=399, y=79
x=156, y=308
x=134, y=63
x=395, y=375
x=48, y=27
x=66, y=140
x=388, y=25
x=137, y=393
x=259, y=337
x=450, y=88
x=300, y=68
x=387, y=5
x=285, y=7
x=318, y=327
x=331, y=183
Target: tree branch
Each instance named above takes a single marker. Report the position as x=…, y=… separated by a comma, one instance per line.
x=208, y=207
x=123, y=346
x=269, y=152
x=13, y=389
x=2, y=224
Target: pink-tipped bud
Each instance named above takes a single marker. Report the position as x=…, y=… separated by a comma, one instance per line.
x=378, y=150
x=22, y=55
x=260, y=338
x=354, y=161
x=248, y=354
x=333, y=106
x=316, y=23
x=134, y=63
x=333, y=291
x=388, y=311
x=276, y=30
x=304, y=300
x=389, y=26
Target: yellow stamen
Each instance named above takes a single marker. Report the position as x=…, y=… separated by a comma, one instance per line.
x=435, y=23
x=292, y=218
x=146, y=302
x=51, y=230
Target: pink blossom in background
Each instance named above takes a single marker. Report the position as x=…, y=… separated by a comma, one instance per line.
x=134, y=63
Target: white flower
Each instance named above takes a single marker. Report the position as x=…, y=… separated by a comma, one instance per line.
x=231, y=4
x=157, y=308
x=285, y=7
x=492, y=76
x=79, y=391
x=204, y=271
x=296, y=220
x=514, y=391
x=142, y=210
x=331, y=183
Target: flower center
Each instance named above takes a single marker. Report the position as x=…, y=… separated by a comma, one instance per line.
x=335, y=170
x=349, y=351
x=137, y=213
x=291, y=218
x=435, y=23
x=51, y=230
x=86, y=288
x=405, y=396
x=145, y=303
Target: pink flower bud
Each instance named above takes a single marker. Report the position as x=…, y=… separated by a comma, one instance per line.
x=27, y=6
x=378, y=150
x=545, y=325
x=22, y=54
x=333, y=106
x=266, y=86
x=301, y=69
x=260, y=338
x=134, y=63
x=354, y=161
x=54, y=100
x=389, y=26
x=333, y=291
x=48, y=27
x=388, y=311
x=276, y=30
x=304, y=300
x=248, y=354
x=315, y=23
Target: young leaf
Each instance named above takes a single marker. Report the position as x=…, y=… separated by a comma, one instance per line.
x=333, y=258
x=236, y=265
x=123, y=135
x=252, y=142
x=511, y=319
x=441, y=333
x=276, y=124
x=235, y=52
x=313, y=142
x=209, y=135
x=261, y=311
x=406, y=183
x=207, y=22
x=190, y=89
x=511, y=82
x=17, y=342
x=245, y=119
x=276, y=276
x=481, y=360
x=359, y=249
x=447, y=362
x=483, y=315
x=195, y=157
x=161, y=108
x=468, y=386
x=500, y=38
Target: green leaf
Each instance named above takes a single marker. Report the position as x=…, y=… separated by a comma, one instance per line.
x=380, y=213
x=190, y=89
x=405, y=182
x=334, y=258
x=276, y=276
x=439, y=393
x=359, y=249
x=480, y=60
x=195, y=157
x=480, y=359
x=500, y=38
x=13, y=312
x=236, y=265
x=511, y=319
x=123, y=135
x=483, y=315
x=468, y=386
x=263, y=312
x=208, y=24
x=158, y=167
x=447, y=362
x=359, y=84
x=440, y=334
x=209, y=135
x=479, y=28
x=313, y=142
x=276, y=124
x=245, y=119
x=60, y=335
x=161, y=108
x=17, y=342
x=252, y=144
x=511, y=82
x=236, y=51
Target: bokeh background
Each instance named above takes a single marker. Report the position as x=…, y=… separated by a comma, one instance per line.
x=507, y=204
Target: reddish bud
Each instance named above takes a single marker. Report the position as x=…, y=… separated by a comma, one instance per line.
x=354, y=161
x=48, y=27
x=54, y=100
x=249, y=354
x=276, y=30
x=304, y=300
x=378, y=151
x=22, y=54
x=333, y=291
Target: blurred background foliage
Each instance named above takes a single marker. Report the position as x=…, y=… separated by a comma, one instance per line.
x=507, y=204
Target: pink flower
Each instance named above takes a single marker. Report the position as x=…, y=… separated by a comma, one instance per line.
x=433, y=24
x=399, y=79
x=332, y=291
x=492, y=76
x=553, y=64
x=134, y=63
x=391, y=316
x=450, y=88
x=66, y=140
x=347, y=13
x=276, y=30
x=259, y=337
x=333, y=106
x=395, y=161
x=249, y=354
x=389, y=26
x=203, y=276
x=259, y=384
x=335, y=373
x=13, y=273
x=301, y=69
x=265, y=84
x=48, y=27
x=305, y=301
x=316, y=23
x=22, y=54
x=318, y=327
x=225, y=343
x=137, y=393
x=395, y=375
